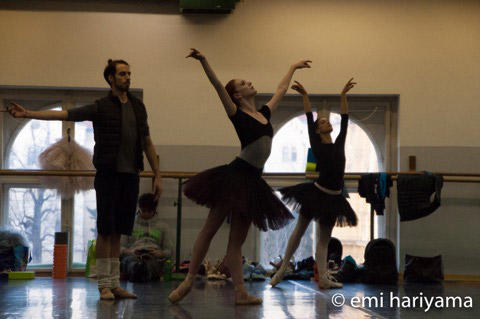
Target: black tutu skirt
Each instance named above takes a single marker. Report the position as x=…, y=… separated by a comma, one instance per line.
x=311, y=202
x=238, y=188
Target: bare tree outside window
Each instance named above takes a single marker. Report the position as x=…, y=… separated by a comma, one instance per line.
x=34, y=211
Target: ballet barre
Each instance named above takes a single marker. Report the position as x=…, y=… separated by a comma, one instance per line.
x=447, y=177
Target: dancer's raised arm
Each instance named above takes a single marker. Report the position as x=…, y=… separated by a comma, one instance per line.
x=344, y=112
x=343, y=96
x=313, y=136
x=307, y=107
x=227, y=102
x=285, y=83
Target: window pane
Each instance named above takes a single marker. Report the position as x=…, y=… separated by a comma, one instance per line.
x=35, y=212
x=33, y=139
x=293, y=134
x=359, y=149
x=85, y=227
x=274, y=243
x=85, y=206
x=84, y=135
x=355, y=239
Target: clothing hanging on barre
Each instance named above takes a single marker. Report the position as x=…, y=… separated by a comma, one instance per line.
x=375, y=188
x=414, y=192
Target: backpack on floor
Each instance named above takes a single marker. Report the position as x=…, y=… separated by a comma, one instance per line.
x=305, y=264
x=348, y=272
x=380, y=265
x=423, y=269
x=139, y=271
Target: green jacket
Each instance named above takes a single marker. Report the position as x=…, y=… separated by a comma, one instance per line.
x=149, y=233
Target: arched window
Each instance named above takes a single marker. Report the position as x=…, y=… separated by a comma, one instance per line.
x=290, y=145
x=289, y=154
x=31, y=140
x=32, y=210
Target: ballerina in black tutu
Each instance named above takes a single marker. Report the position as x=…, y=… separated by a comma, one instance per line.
x=237, y=189
x=323, y=199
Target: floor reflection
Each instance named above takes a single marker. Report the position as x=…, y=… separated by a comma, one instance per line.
x=78, y=298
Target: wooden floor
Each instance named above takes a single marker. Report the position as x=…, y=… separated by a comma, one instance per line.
x=78, y=298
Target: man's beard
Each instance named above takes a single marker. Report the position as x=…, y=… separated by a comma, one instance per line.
x=123, y=88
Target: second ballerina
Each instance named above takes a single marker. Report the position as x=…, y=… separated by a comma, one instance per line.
x=322, y=200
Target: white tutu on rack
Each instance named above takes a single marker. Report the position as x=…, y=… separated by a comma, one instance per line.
x=66, y=155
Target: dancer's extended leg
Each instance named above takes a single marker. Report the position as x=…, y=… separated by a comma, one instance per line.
x=323, y=238
x=233, y=260
x=293, y=242
x=200, y=248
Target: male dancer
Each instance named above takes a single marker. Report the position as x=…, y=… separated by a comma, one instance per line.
x=121, y=133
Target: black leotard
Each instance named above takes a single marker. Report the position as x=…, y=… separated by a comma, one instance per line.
x=330, y=157
x=255, y=137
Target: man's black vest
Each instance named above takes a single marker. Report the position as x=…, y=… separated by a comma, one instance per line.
x=107, y=131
